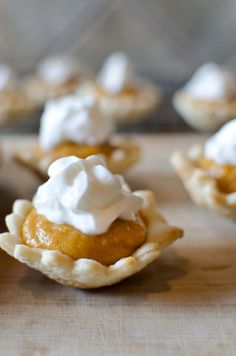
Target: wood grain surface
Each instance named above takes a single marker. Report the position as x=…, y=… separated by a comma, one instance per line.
x=182, y=304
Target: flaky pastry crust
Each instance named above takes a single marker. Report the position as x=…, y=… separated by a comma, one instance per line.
x=202, y=187
x=14, y=105
x=120, y=160
x=87, y=273
x=126, y=108
x=204, y=115
x=41, y=91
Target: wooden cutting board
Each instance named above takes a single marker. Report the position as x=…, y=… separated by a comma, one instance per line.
x=182, y=304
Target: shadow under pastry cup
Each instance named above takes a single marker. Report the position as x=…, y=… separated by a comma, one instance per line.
x=84, y=272
x=123, y=155
x=202, y=114
x=202, y=187
x=129, y=106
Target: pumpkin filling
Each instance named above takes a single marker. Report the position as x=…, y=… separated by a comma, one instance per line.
x=69, y=83
x=73, y=149
x=224, y=174
x=126, y=91
x=121, y=240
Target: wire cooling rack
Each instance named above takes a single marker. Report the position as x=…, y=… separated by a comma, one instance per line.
x=165, y=119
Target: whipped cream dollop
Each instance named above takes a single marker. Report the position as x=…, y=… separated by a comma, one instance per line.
x=212, y=82
x=7, y=77
x=221, y=147
x=84, y=194
x=116, y=73
x=75, y=118
x=58, y=69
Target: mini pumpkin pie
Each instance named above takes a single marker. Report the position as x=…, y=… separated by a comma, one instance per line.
x=85, y=228
x=76, y=126
x=208, y=100
x=55, y=77
x=209, y=173
x=14, y=104
x=122, y=95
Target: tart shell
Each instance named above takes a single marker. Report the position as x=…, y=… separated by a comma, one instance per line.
x=15, y=106
x=203, y=115
x=87, y=273
x=41, y=91
x=202, y=187
x=126, y=109
x=121, y=159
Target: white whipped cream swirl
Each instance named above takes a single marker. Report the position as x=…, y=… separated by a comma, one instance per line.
x=58, y=69
x=116, y=73
x=221, y=147
x=7, y=77
x=75, y=118
x=212, y=82
x=84, y=194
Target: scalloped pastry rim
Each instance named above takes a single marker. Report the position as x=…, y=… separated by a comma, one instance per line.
x=201, y=186
x=87, y=273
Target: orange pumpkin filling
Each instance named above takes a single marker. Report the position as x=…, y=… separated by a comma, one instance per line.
x=121, y=240
x=224, y=174
x=66, y=85
x=73, y=149
x=126, y=91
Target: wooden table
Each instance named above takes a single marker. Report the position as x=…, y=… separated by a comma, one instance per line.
x=182, y=304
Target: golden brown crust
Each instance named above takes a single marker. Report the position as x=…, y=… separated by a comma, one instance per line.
x=126, y=154
x=86, y=273
x=126, y=108
x=41, y=91
x=15, y=105
x=202, y=187
x=203, y=115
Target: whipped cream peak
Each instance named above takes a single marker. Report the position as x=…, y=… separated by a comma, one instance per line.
x=75, y=118
x=221, y=147
x=212, y=82
x=84, y=194
x=58, y=69
x=7, y=77
x=116, y=73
